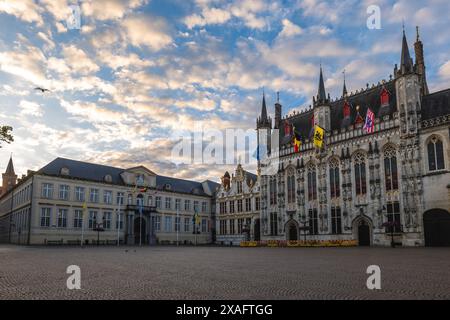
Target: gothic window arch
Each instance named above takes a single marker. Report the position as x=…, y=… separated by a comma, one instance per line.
x=291, y=185
x=312, y=182
x=435, y=149
x=360, y=173
x=335, y=191
x=390, y=168
x=273, y=190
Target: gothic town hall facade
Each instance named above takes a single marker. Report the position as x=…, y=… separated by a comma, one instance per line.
x=388, y=186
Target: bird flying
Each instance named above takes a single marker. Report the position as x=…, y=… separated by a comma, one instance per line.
x=41, y=89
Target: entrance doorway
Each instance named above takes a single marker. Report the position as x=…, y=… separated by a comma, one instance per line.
x=363, y=234
x=256, y=230
x=436, y=224
x=140, y=231
x=293, y=234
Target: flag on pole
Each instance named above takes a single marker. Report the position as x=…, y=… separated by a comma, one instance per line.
x=318, y=136
x=297, y=140
x=84, y=209
x=369, y=124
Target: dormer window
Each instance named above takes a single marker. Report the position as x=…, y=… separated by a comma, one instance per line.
x=167, y=186
x=64, y=171
x=140, y=180
x=108, y=178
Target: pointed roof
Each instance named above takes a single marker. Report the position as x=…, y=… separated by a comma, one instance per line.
x=264, y=109
x=344, y=90
x=406, y=63
x=321, y=95
x=10, y=167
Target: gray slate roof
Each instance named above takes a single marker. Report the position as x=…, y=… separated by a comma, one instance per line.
x=96, y=172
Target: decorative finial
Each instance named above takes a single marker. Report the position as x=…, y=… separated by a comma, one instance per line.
x=417, y=31
x=403, y=23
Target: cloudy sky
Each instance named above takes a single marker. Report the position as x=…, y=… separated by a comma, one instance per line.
x=139, y=71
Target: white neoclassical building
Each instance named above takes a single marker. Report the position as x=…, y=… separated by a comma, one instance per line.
x=68, y=201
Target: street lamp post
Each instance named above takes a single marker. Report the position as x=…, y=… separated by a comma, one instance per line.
x=98, y=228
x=304, y=228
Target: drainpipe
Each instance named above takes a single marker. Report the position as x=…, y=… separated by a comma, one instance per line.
x=10, y=215
x=31, y=211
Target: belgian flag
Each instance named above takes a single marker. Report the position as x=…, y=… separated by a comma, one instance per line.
x=297, y=139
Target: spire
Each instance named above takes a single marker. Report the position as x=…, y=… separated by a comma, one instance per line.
x=406, y=64
x=264, y=108
x=321, y=95
x=263, y=120
x=420, y=64
x=344, y=90
x=10, y=167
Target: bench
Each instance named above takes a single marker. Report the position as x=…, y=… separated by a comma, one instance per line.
x=53, y=242
x=73, y=242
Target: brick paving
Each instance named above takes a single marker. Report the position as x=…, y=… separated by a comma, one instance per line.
x=223, y=273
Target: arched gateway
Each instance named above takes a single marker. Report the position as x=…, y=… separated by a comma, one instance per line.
x=291, y=230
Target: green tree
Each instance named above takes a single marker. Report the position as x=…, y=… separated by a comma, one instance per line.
x=5, y=134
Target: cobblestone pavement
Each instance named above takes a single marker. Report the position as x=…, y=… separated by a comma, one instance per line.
x=223, y=273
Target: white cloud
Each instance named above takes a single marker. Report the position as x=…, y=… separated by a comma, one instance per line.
x=289, y=29
x=27, y=63
x=78, y=60
x=30, y=108
x=444, y=70
x=109, y=9
x=26, y=10
x=152, y=32
x=208, y=16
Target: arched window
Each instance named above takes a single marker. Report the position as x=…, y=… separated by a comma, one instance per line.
x=335, y=191
x=360, y=174
x=390, y=169
x=312, y=182
x=291, y=186
x=435, y=154
x=273, y=191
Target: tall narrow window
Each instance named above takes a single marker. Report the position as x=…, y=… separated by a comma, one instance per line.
x=78, y=219
x=360, y=174
x=313, y=222
x=273, y=224
x=312, y=183
x=239, y=187
x=62, y=218
x=273, y=191
x=107, y=218
x=393, y=215
x=335, y=192
x=390, y=169
x=336, y=220
x=291, y=186
x=435, y=154
x=45, y=217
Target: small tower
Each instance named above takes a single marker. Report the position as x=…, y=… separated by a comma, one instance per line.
x=264, y=131
x=9, y=178
x=420, y=64
x=408, y=88
x=278, y=112
x=322, y=106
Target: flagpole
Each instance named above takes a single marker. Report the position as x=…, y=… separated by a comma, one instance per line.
x=118, y=223
x=82, y=230
x=179, y=224
x=140, y=225
x=83, y=212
